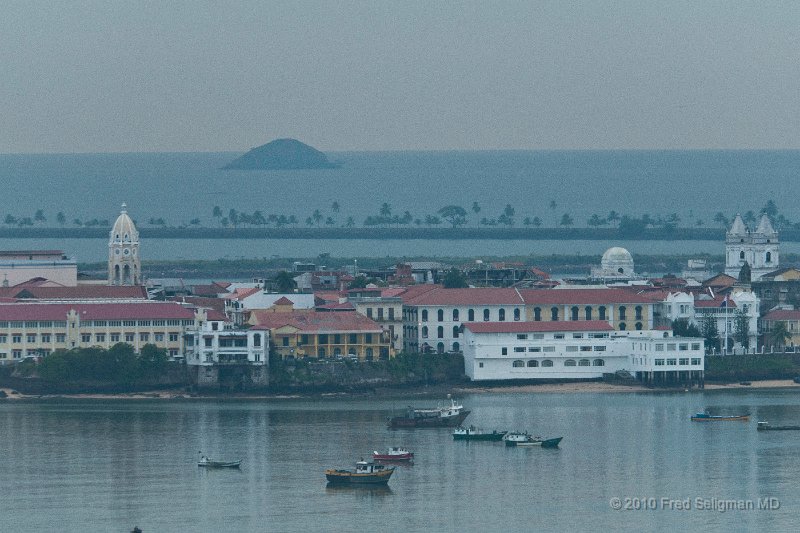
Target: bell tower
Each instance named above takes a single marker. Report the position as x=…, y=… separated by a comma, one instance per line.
x=124, y=265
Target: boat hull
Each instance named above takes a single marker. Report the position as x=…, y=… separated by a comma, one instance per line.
x=719, y=418
x=494, y=436
x=428, y=422
x=543, y=443
x=219, y=464
x=344, y=477
x=778, y=428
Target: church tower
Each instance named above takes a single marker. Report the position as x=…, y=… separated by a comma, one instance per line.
x=758, y=248
x=124, y=266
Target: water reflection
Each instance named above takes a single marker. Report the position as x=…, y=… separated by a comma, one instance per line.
x=362, y=491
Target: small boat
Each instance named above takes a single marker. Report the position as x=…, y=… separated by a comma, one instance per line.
x=764, y=426
x=210, y=463
x=473, y=433
x=393, y=454
x=745, y=383
x=524, y=439
x=364, y=474
x=449, y=415
x=705, y=417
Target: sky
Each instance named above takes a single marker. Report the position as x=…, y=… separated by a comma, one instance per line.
x=170, y=76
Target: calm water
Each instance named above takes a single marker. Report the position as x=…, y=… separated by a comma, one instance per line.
x=109, y=465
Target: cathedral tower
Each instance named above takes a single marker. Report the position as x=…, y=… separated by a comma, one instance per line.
x=124, y=266
x=758, y=248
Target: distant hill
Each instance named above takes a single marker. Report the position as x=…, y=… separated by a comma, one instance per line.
x=281, y=154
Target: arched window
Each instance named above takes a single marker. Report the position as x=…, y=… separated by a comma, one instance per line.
x=440, y=347
x=569, y=362
x=440, y=332
x=471, y=315
x=622, y=326
x=598, y=362
x=455, y=315
x=584, y=362
x=485, y=315
x=601, y=311
x=554, y=313
x=424, y=332
x=424, y=315
x=537, y=313
x=533, y=363
x=257, y=340
x=456, y=347
x=622, y=312
x=547, y=363
x=587, y=312
x=516, y=314
x=769, y=257
x=574, y=312
x=741, y=254
x=440, y=315
x=501, y=315
x=455, y=332
x=321, y=352
x=638, y=312
x=638, y=326
x=519, y=364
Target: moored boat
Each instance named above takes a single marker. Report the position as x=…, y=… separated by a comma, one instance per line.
x=364, y=474
x=394, y=453
x=764, y=426
x=473, y=433
x=210, y=463
x=705, y=417
x=524, y=439
x=449, y=415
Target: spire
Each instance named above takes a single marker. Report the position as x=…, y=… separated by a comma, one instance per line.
x=765, y=226
x=124, y=208
x=738, y=228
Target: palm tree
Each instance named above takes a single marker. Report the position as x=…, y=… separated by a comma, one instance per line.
x=284, y=282
x=779, y=334
x=217, y=212
x=335, y=207
x=39, y=216
x=350, y=222
x=613, y=217
x=317, y=216
x=566, y=220
x=61, y=218
x=386, y=210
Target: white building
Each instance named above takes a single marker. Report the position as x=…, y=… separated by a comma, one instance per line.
x=19, y=266
x=758, y=248
x=578, y=350
x=615, y=265
x=124, y=264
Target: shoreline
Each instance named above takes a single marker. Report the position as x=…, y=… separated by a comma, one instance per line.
x=571, y=387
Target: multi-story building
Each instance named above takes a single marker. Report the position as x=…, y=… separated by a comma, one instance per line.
x=23, y=265
x=791, y=320
x=384, y=306
x=296, y=334
x=41, y=328
x=778, y=288
x=730, y=313
x=578, y=350
x=757, y=248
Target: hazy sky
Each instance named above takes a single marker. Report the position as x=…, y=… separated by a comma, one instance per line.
x=109, y=76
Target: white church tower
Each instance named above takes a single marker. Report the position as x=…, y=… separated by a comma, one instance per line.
x=124, y=266
x=758, y=248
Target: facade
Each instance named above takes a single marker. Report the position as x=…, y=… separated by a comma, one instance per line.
x=219, y=355
x=779, y=288
x=578, y=350
x=124, y=263
x=37, y=329
x=384, y=309
x=297, y=334
x=790, y=318
x=757, y=248
x=19, y=266
x=624, y=309
x=725, y=311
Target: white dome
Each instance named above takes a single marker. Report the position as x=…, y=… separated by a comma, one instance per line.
x=617, y=261
x=124, y=229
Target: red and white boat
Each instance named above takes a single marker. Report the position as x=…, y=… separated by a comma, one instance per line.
x=393, y=454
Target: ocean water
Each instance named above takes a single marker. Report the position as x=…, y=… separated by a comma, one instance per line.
x=100, y=465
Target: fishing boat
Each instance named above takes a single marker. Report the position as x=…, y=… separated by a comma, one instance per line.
x=524, y=439
x=364, y=474
x=705, y=417
x=210, y=463
x=764, y=426
x=394, y=453
x=448, y=415
x=473, y=433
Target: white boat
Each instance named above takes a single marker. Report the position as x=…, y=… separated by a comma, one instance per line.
x=210, y=463
x=524, y=439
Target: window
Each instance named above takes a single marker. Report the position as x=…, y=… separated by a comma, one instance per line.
x=519, y=349
x=695, y=360
x=285, y=341
x=572, y=348
x=440, y=315
x=323, y=338
x=173, y=337
x=522, y=336
x=601, y=311
x=207, y=341
x=533, y=363
x=558, y=335
x=100, y=337
x=622, y=326
x=622, y=311
x=554, y=313
x=569, y=362
x=45, y=337
x=671, y=362
x=455, y=315
x=129, y=323
x=455, y=332
x=480, y=365
x=440, y=332
x=577, y=335
x=695, y=346
x=16, y=338
x=504, y=351
x=535, y=349
x=659, y=362
x=769, y=257
x=537, y=336
x=86, y=337
x=549, y=349
x=516, y=315
x=214, y=326
x=518, y=364
x=584, y=362
x=456, y=347
x=62, y=337
x=683, y=346
x=599, y=348
x=3, y=339
x=586, y=348
x=671, y=347
x=424, y=332
x=129, y=337
x=337, y=338
x=31, y=337
x=547, y=363
x=485, y=315
x=587, y=312
x=598, y=362
x=257, y=340
x=159, y=337
x=574, y=312
x=424, y=315
x=501, y=315
x=638, y=326
x=380, y=313
x=367, y=338
x=537, y=314
x=369, y=313
x=471, y=315
x=353, y=338
x=144, y=337
x=638, y=312
x=439, y=348
x=683, y=361
x=659, y=347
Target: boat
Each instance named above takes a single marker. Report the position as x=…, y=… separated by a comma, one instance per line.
x=449, y=415
x=764, y=426
x=473, y=433
x=210, y=463
x=394, y=453
x=364, y=474
x=524, y=439
x=705, y=417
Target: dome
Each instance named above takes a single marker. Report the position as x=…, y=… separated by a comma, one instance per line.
x=124, y=229
x=617, y=261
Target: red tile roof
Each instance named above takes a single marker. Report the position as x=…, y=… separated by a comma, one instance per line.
x=217, y=304
x=79, y=292
x=96, y=311
x=413, y=291
x=583, y=296
x=529, y=327
x=717, y=302
x=782, y=314
x=313, y=322
x=472, y=296
x=283, y=300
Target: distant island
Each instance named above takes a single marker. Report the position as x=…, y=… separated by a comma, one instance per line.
x=281, y=154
